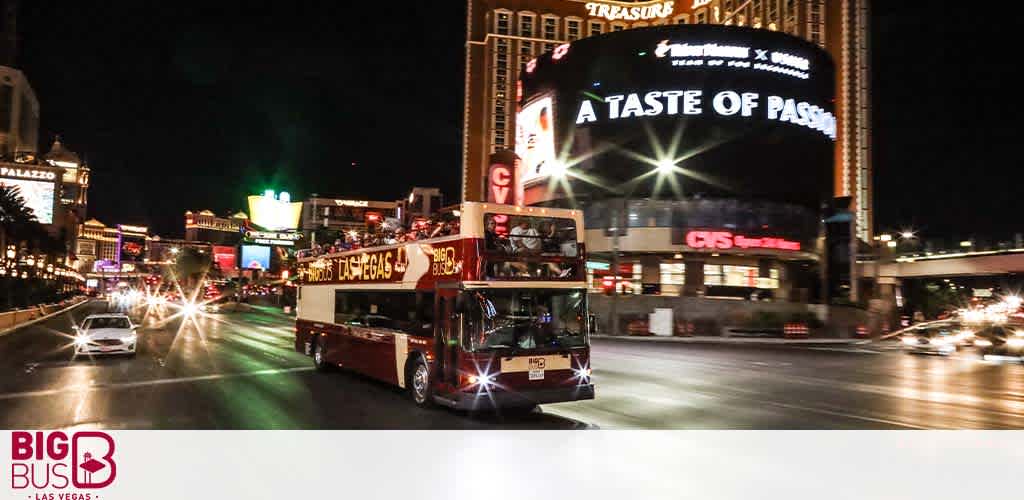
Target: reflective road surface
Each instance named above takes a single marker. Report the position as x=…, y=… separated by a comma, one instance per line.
x=238, y=371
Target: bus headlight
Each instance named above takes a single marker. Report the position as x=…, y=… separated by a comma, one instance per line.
x=483, y=379
x=582, y=373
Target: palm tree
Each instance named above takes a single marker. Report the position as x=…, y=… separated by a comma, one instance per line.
x=15, y=216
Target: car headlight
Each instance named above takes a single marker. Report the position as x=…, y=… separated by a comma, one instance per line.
x=1015, y=342
x=81, y=341
x=909, y=340
x=982, y=343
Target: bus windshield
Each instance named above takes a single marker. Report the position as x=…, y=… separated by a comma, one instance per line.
x=524, y=319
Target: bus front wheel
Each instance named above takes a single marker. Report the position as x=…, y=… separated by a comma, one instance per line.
x=419, y=384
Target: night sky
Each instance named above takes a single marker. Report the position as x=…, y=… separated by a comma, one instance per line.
x=182, y=105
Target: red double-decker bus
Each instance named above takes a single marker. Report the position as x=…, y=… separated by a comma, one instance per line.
x=493, y=315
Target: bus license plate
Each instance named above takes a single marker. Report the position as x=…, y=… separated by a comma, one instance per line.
x=536, y=374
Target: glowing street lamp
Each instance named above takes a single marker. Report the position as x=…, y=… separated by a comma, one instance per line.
x=11, y=253
x=666, y=166
x=558, y=169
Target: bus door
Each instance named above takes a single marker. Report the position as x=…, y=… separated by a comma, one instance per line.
x=446, y=336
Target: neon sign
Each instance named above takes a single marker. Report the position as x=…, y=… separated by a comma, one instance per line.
x=501, y=184
x=26, y=173
x=724, y=240
x=617, y=12
x=272, y=238
x=351, y=203
x=724, y=103
x=133, y=229
x=713, y=54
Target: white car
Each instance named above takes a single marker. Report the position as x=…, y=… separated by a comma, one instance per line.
x=106, y=334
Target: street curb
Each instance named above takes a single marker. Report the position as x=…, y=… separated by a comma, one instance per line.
x=733, y=340
x=262, y=310
x=41, y=318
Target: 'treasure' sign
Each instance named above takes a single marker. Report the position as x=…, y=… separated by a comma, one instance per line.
x=614, y=12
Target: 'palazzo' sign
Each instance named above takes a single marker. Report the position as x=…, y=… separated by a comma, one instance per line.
x=27, y=173
x=614, y=12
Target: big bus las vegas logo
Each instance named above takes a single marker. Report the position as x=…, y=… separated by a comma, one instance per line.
x=55, y=466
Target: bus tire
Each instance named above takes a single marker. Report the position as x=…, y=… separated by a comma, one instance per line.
x=320, y=356
x=419, y=384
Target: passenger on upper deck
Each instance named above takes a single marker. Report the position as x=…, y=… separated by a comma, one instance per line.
x=525, y=239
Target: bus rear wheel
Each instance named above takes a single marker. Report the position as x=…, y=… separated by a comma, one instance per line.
x=419, y=384
x=320, y=356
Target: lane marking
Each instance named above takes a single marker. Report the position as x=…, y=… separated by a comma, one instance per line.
x=842, y=414
x=853, y=350
x=77, y=389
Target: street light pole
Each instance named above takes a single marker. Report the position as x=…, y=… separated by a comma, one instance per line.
x=616, y=228
x=312, y=233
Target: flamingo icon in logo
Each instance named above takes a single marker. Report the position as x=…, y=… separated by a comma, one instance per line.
x=91, y=465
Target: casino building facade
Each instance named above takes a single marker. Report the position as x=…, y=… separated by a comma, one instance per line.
x=503, y=36
x=701, y=152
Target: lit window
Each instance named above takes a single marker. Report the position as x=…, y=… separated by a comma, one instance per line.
x=673, y=277
x=712, y=275
x=502, y=21
x=526, y=25
x=572, y=29
x=550, y=28
x=596, y=28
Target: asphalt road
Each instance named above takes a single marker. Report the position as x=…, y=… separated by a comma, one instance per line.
x=238, y=371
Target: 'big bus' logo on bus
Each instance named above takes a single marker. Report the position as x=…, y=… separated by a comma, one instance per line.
x=443, y=261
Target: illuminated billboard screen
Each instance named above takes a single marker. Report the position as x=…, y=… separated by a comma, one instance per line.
x=274, y=213
x=255, y=257
x=38, y=196
x=226, y=258
x=535, y=139
x=722, y=110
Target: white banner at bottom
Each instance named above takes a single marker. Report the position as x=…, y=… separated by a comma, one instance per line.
x=633, y=465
